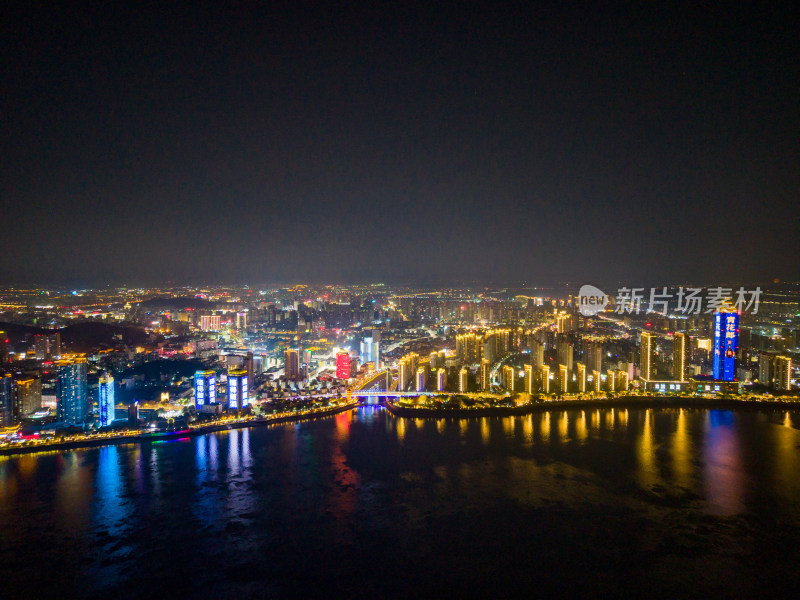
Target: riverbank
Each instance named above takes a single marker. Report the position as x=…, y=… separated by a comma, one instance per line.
x=620, y=402
x=143, y=437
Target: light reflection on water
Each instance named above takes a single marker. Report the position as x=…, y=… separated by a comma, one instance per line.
x=296, y=487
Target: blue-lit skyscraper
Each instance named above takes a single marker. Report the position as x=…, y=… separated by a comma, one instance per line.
x=370, y=351
x=238, y=392
x=726, y=343
x=205, y=388
x=72, y=392
x=106, y=400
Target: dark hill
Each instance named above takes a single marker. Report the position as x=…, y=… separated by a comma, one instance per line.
x=85, y=336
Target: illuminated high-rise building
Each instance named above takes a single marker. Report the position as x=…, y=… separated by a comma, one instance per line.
x=210, y=322
x=528, y=379
x=537, y=354
x=106, y=400
x=463, y=380
x=621, y=381
x=250, y=366
x=565, y=352
x=581, y=377
x=563, y=378
x=403, y=374
x=421, y=377
x=291, y=363
x=238, y=389
x=370, y=351
x=597, y=382
x=485, y=374
x=205, y=388
x=72, y=392
x=508, y=378
x=468, y=347
x=29, y=395
x=646, y=357
x=594, y=356
x=680, y=356
x=343, y=365
x=726, y=344
x=441, y=380
x=47, y=345
x=240, y=320
x=611, y=380
x=783, y=373
x=546, y=379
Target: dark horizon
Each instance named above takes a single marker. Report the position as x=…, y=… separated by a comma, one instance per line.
x=400, y=143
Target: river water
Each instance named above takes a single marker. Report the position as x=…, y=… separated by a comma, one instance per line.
x=642, y=503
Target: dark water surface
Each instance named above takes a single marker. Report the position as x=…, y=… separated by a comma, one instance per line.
x=641, y=503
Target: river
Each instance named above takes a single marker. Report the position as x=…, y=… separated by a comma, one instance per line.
x=655, y=503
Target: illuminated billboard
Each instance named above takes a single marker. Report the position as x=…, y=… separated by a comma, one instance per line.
x=726, y=343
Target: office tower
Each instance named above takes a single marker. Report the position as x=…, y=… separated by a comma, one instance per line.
x=680, y=356
x=561, y=326
x=485, y=374
x=528, y=379
x=546, y=379
x=783, y=373
x=241, y=320
x=210, y=322
x=238, y=389
x=370, y=351
x=291, y=363
x=6, y=401
x=563, y=378
x=106, y=400
x=581, y=377
x=726, y=344
x=421, y=377
x=596, y=381
x=508, y=378
x=441, y=380
x=646, y=357
x=72, y=392
x=621, y=381
x=462, y=380
x=434, y=360
x=611, y=380
x=205, y=388
x=342, y=365
x=47, y=345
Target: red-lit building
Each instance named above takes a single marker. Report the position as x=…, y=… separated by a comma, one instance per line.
x=343, y=365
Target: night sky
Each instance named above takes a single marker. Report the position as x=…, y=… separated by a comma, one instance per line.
x=305, y=142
